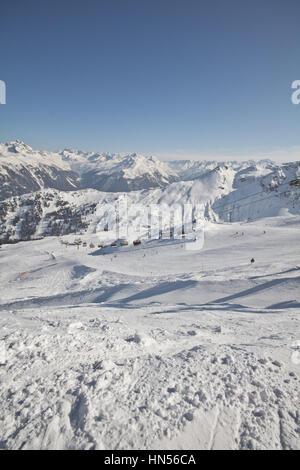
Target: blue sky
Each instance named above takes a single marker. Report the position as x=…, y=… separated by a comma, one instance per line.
x=179, y=79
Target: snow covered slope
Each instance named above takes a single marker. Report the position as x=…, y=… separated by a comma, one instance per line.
x=154, y=346
x=261, y=191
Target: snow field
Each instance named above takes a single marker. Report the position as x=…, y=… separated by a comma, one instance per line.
x=175, y=349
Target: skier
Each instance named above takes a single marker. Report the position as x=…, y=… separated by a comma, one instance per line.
x=252, y=260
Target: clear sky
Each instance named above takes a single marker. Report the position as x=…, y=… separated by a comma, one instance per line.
x=175, y=78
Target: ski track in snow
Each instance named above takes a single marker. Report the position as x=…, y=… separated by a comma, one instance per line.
x=175, y=350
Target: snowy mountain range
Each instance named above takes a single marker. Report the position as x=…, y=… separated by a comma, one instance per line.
x=54, y=202
x=24, y=170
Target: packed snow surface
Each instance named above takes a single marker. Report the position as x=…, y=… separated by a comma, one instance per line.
x=154, y=346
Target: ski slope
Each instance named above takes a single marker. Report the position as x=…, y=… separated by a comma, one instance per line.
x=154, y=346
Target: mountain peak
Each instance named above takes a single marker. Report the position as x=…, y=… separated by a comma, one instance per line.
x=17, y=146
